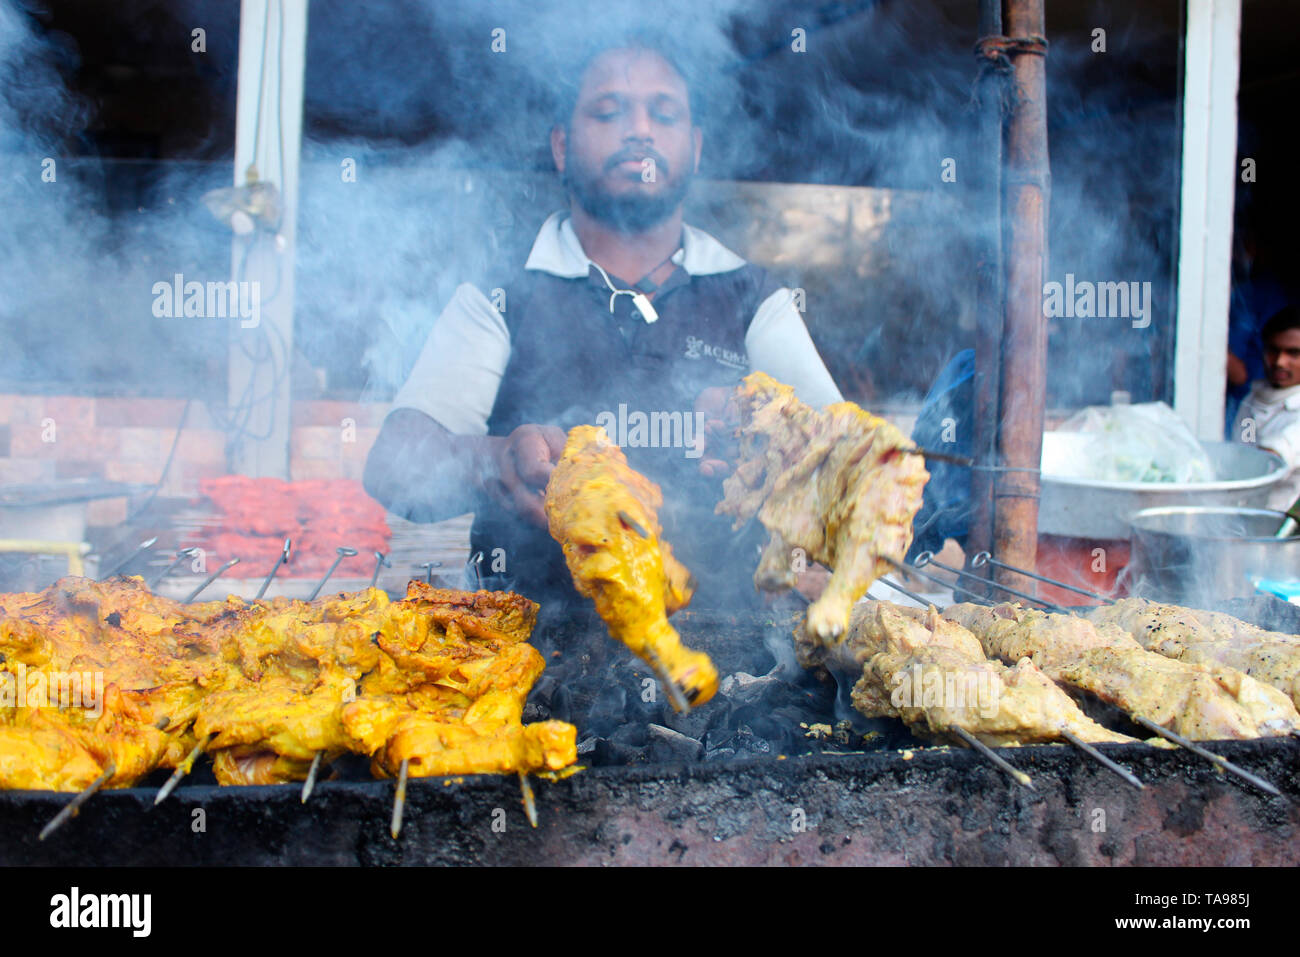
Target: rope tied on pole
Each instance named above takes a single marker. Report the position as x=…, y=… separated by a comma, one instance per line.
x=997, y=51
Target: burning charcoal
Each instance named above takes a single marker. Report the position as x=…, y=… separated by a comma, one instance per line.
x=747, y=742
x=609, y=709
x=694, y=723
x=534, y=711
x=744, y=688
x=669, y=745
x=543, y=691
x=562, y=704
x=627, y=745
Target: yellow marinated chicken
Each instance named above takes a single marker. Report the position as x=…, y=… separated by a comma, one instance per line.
x=840, y=487
x=65, y=750
x=278, y=717
x=484, y=736
x=605, y=516
x=434, y=747
x=1201, y=701
x=265, y=685
x=38, y=755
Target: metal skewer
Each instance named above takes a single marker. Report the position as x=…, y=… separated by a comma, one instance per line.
x=381, y=561
x=927, y=558
x=183, y=554
x=898, y=588
x=399, y=800
x=1069, y=736
x=142, y=547
x=342, y=552
x=1216, y=759
x=474, y=562
x=1020, y=777
x=962, y=460
x=210, y=579
x=530, y=804
x=284, y=557
x=912, y=570
x=1097, y=756
x=429, y=567
x=632, y=523
x=182, y=769
x=675, y=696
x=309, y=785
x=980, y=559
x=72, y=807
x=1289, y=525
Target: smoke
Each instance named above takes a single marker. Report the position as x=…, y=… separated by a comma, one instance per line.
x=76, y=269
x=839, y=150
x=445, y=109
x=426, y=164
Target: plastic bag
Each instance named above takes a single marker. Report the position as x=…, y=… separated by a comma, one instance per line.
x=1147, y=442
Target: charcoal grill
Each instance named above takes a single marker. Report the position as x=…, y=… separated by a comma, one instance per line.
x=940, y=807
x=899, y=804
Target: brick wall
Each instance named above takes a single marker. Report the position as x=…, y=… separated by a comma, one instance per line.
x=127, y=440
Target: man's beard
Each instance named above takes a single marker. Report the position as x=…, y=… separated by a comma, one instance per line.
x=629, y=213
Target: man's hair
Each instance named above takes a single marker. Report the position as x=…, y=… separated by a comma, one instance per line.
x=1284, y=319
x=660, y=44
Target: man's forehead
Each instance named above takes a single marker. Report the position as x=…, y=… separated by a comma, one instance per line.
x=631, y=71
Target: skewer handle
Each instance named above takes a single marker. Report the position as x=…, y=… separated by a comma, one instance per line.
x=342, y=553
x=183, y=554
x=381, y=561
x=143, y=546
x=980, y=559
x=1216, y=759
x=1020, y=777
x=210, y=579
x=72, y=807
x=399, y=799
x=284, y=557
x=927, y=558
x=1101, y=759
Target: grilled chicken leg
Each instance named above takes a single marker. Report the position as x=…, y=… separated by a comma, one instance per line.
x=604, y=515
x=840, y=486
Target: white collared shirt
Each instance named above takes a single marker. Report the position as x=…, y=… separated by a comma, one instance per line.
x=1272, y=417
x=456, y=377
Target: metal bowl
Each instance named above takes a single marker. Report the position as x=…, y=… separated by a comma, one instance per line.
x=1192, y=555
x=1089, y=508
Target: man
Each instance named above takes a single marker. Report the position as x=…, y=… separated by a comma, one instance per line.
x=621, y=314
x=1270, y=414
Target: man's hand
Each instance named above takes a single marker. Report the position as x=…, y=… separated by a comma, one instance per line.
x=716, y=421
x=524, y=461
x=1238, y=375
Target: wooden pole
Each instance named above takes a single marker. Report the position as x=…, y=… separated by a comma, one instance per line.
x=1024, y=354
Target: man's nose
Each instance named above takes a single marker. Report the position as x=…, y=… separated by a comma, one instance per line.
x=639, y=126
